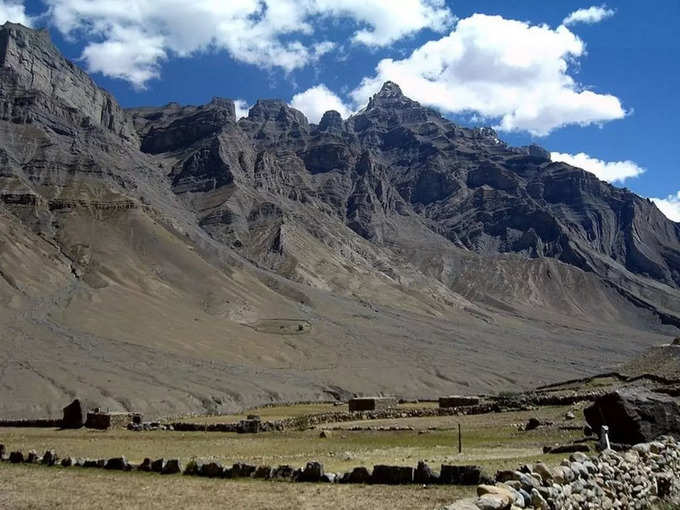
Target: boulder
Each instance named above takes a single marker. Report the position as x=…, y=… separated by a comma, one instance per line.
x=424, y=474
x=392, y=475
x=158, y=465
x=94, y=463
x=75, y=415
x=16, y=457
x=357, y=475
x=31, y=457
x=193, y=468
x=49, y=458
x=66, y=462
x=532, y=424
x=493, y=502
x=211, y=470
x=117, y=464
x=172, y=467
x=312, y=472
x=329, y=478
x=263, y=472
x=635, y=415
x=282, y=473
x=240, y=470
x=2, y=452
x=145, y=465
x=462, y=475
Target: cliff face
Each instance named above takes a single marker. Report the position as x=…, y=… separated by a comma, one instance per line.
x=175, y=258
x=30, y=62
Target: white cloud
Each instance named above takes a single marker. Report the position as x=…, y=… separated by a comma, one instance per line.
x=242, y=108
x=670, y=206
x=389, y=21
x=316, y=101
x=13, y=11
x=500, y=69
x=593, y=14
x=139, y=34
x=610, y=171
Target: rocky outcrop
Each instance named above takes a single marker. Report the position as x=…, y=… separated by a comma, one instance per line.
x=635, y=415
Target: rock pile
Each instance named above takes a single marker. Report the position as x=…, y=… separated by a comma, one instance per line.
x=644, y=475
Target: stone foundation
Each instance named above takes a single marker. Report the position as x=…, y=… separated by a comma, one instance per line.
x=106, y=421
x=371, y=403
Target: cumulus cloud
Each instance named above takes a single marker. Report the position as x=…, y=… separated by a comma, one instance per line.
x=593, y=14
x=137, y=35
x=499, y=69
x=610, y=171
x=13, y=11
x=316, y=101
x=242, y=108
x=670, y=206
x=389, y=21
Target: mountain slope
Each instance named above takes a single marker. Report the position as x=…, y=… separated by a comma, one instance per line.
x=175, y=259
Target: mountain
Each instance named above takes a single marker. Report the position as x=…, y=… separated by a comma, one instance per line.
x=177, y=259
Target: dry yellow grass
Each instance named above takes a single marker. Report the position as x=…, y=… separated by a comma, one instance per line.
x=36, y=487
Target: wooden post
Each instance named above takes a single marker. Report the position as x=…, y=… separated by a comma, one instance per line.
x=460, y=440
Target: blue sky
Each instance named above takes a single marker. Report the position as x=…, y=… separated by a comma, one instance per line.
x=615, y=100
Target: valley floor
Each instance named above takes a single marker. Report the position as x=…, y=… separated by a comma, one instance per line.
x=493, y=441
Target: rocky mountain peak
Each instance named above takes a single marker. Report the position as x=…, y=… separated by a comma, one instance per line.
x=33, y=65
x=331, y=121
x=274, y=115
x=390, y=96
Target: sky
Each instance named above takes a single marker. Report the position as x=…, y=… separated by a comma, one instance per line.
x=596, y=84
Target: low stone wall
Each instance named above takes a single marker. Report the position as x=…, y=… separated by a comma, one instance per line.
x=645, y=475
x=309, y=421
x=311, y=472
x=31, y=423
x=458, y=401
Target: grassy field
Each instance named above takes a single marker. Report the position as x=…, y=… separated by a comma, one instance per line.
x=35, y=487
x=493, y=441
x=490, y=440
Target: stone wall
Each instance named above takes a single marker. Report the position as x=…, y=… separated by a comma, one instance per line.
x=105, y=421
x=647, y=474
x=457, y=401
x=48, y=423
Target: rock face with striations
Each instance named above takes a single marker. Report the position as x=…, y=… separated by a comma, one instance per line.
x=148, y=247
